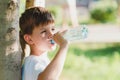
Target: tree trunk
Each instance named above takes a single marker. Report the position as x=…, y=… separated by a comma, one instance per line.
x=10, y=52
x=30, y=3
x=118, y=2
x=73, y=12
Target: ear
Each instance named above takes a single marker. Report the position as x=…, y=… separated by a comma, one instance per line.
x=28, y=39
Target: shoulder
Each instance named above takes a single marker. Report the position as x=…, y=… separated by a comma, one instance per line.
x=35, y=60
x=31, y=60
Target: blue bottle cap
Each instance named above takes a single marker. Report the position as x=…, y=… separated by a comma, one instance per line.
x=52, y=41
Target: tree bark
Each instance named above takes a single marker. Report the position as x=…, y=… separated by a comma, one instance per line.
x=30, y=3
x=10, y=52
x=118, y=2
x=73, y=12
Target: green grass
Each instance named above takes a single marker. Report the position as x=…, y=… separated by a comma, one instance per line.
x=92, y=62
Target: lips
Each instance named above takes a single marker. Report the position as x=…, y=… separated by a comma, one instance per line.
x=52, y=45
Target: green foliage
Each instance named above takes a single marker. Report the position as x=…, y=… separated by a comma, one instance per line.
x=57, y=13
x=104, y=11
x=103, y=15
x=92, y=62
x=22, y=6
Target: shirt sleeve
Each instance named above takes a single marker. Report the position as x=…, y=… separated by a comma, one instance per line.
x=37, y=69
x=40, y=65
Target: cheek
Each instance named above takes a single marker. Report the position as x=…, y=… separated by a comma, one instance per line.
x=43, y=35
x=41, y=42
x=37, y=40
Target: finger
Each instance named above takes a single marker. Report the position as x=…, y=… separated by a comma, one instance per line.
x=63, y=32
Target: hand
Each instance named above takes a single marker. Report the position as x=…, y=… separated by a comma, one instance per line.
x=59, y=39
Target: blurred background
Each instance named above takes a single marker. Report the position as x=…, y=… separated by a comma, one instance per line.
x=98, y=56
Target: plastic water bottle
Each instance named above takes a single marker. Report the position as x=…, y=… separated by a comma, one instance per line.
x=75, y=34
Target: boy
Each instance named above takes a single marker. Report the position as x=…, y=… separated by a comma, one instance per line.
x=37, y=30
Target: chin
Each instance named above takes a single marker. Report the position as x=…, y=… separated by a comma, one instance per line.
x=53, y=47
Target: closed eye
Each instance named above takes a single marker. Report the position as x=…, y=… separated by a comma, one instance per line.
x=43, y=31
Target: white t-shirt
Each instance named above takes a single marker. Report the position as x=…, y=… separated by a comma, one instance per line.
x=33, y=66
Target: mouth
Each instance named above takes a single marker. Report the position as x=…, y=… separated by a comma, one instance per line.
x=52, y=44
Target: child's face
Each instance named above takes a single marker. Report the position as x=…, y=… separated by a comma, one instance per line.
x=41, y=37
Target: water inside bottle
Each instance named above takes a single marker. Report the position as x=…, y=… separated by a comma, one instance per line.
x=76, y=33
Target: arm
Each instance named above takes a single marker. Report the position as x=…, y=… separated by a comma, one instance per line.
x=53, y=70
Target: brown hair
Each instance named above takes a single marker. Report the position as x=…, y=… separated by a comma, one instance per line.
x=31, y=18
